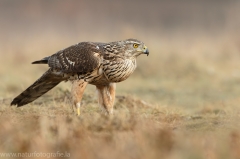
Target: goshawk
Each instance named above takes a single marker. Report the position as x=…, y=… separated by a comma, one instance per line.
x=99, y=64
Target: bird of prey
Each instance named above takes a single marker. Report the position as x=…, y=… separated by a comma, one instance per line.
x=99, y=64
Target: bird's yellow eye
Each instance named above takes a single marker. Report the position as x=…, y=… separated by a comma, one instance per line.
x=135, y=45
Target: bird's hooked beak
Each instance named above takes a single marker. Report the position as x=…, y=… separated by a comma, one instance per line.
x=145, y=50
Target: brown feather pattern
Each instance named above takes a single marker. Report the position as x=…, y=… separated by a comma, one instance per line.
x=96, y=63
x=45, y=83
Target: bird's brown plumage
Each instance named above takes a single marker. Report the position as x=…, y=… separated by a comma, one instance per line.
x=100, y=64
x=45, y=83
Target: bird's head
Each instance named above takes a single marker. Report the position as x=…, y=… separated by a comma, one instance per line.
x=134, y=48
x=127, y=48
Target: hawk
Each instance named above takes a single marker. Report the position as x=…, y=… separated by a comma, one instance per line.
x=99, y=64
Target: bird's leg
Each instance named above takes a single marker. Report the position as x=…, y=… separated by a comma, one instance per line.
x=106, y=97
x=78, y=88
x=112, y=88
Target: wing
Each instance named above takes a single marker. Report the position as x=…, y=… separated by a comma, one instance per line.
x=80, y=58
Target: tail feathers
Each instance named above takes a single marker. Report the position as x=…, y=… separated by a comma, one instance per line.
x=43, y=61
x=45, y=83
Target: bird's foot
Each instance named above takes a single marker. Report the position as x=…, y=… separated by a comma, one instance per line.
x=78, y=109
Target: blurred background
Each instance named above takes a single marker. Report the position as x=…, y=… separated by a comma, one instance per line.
x=182, y=102
x=194, y=45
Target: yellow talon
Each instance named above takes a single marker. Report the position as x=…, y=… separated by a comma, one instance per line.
x=78, y=111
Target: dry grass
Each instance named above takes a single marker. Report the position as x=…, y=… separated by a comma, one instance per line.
x=136, y=130
x=187, y=107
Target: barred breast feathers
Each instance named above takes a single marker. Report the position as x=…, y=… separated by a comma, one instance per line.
x=117, y=71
